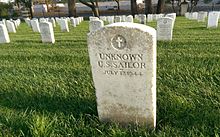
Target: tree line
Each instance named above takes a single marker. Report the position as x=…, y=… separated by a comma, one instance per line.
x=94, y=5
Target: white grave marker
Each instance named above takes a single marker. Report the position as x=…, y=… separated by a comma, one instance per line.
x=213, y=20
x=4, y=37
x=10, y=26
x=47, y=34
x=129, y=18
x=64, y=25
x=73, y=21
x=123, y=60
x=35, y=25
x=117, y=18
x=142, y=18
x=165, y=28
x=201, y=16
x=95, y=25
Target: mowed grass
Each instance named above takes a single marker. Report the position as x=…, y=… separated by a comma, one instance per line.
x=47, y=89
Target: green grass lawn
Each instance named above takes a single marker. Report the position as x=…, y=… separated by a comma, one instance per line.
x=47, y=89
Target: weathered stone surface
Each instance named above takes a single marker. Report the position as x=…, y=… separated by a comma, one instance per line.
x=10, y=26
x=47, y=33
x=165, y=28
x=213, y=20
x=123, y=60
x=4, y=37
x=95, y=25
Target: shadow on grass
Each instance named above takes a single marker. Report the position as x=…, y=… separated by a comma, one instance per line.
x=28, y=41
x=48, y=103
x=185, y=117
x=198, y=28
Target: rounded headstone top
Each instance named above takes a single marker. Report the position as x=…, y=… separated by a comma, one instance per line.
x=141, y=27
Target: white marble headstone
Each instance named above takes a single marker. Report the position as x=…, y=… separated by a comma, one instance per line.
x=77, y=21
x=35, y=25
x=95, y=25
x=129, y=18
x=110, y=19
x=46, y=31
x=149, y=17
x=52, y=20
x=42, y=20
x=123, y=18
x=165, y=28
x=117, y=19
x=195, y=15
x=171, y=15
x=10, y=26
x=103, y=18
x=142, y=18
x=123, y=60
x=4, y=37
x=213, y=20
x=201, y=16
x=93, y=18
x=64, y=25
x=73, y=21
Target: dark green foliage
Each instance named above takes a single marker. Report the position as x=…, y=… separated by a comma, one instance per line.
x=47, y=89
x=4, y=10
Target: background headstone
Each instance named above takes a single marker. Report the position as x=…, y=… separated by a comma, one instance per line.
x=64, y=25
x=4, y=37
x=213, y=20
x=129, y=18
x=142, y=18
x=46, y=31
x=95, y=25
x=10, y=26
x=35, y=25
x=201, y=16
x=117, y=19
x=165, y=28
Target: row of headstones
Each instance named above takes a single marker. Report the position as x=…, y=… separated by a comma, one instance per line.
x=213, y=17
x=142, y=18
x=199, y=16
x=113, y=19
x=45, y=26
x=165, y=26
x=11, y=24
x=62, y=22
x=8, y=26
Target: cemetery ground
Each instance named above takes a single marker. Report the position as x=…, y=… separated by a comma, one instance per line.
x=47, y=89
